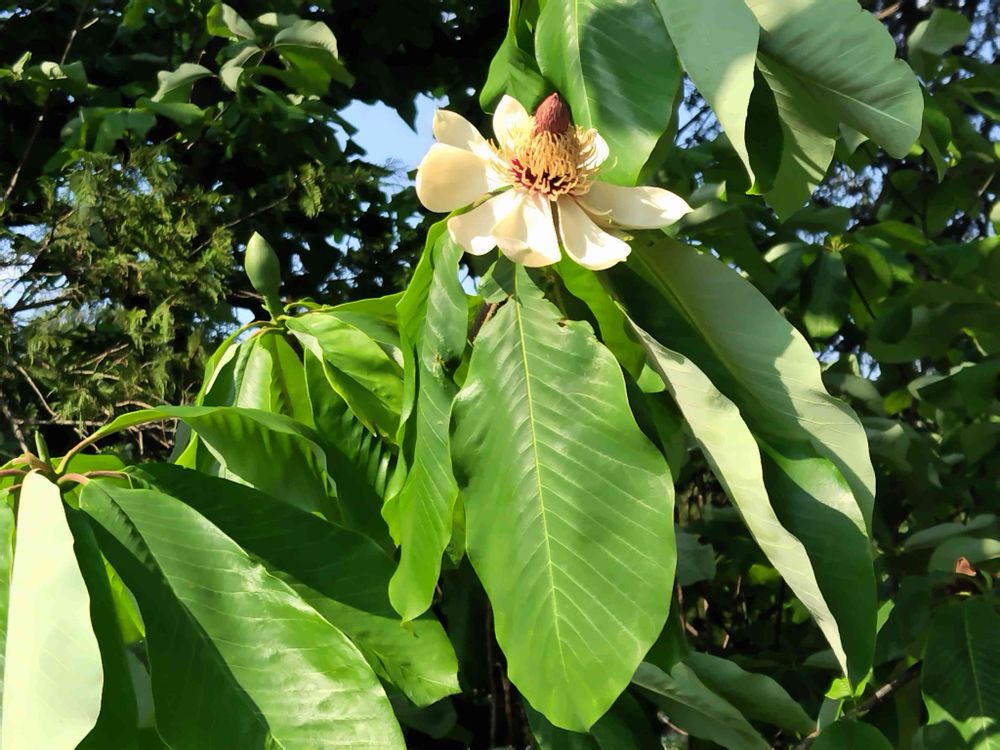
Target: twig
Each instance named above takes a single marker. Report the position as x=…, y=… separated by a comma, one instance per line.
x=73, y=477
x=45, y=109
x=34, y=387
x=15, y=426
x=482, y=318
x=907, y=675
x=886, y=12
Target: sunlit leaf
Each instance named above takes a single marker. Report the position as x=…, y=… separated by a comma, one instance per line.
x=568, y=508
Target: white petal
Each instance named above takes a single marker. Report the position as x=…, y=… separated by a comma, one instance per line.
x=455, y=130
x=474, y=230
x=510, y=117
x=585, y=242
x=601, y=152
x=450, y=177
x=527, y=233
x=633, y=207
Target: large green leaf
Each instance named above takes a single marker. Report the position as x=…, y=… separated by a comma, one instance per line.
x=568, y=508
x=961, y=672
x=341, y=574
x=617, y=68
x=53, y=677
x=846, y=59
x=227, y=639
x=434, y=316
x=692, y=706
x=732, y=452
x=751, y=354
x=719, y=58
x=6, y=566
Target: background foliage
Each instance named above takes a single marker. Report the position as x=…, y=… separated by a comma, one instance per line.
x=136, y=163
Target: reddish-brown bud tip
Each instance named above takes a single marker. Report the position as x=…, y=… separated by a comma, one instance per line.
x=552, y=116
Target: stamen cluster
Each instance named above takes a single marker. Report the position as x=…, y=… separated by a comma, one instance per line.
x=547, y=154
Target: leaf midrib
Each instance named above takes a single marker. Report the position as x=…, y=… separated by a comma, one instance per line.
x=538, y=481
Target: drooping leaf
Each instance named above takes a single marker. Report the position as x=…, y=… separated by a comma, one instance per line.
x=434, y=315
x=807, y=144
x=695, y=708
x=117, y=725
x=358, y=461
x=933, y=37
x=263, y=373
x=53, y=677
x=224, y=21
x=756, y=358
x=756, y=696
x=357, y=366
x=280, y=674
x=269, y=451
x=568, y=508
x=846, y=59
x=719, y=58
x=615, y=65
x=310, y=49
x=814, y=502
x=732, y=452
x=175, y=85
x=340, y=574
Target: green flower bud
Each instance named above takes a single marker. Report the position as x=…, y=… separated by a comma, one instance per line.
x=264, y=272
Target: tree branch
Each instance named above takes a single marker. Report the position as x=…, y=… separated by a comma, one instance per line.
x=904, y=677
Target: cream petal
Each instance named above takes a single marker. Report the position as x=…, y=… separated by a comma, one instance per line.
x=527, y=233
x=450, y=177
x=585, y=242
x=633, y=207
x=510, y=116
x=455, y=130
x=473, y=231
x=601, y=152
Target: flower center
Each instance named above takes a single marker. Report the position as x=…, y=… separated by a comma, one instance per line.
x=549, y=155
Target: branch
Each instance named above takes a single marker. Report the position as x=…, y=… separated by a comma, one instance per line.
x=45, y=110
x=482, y=318
x=15, y=426
x=904, y=677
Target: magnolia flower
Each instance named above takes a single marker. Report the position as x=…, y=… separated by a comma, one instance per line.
x=535, y=188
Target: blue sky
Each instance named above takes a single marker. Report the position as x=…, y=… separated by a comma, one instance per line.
x=387, y=139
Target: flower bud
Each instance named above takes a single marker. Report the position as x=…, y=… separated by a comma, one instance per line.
x=552, y=116
x=264, y=271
